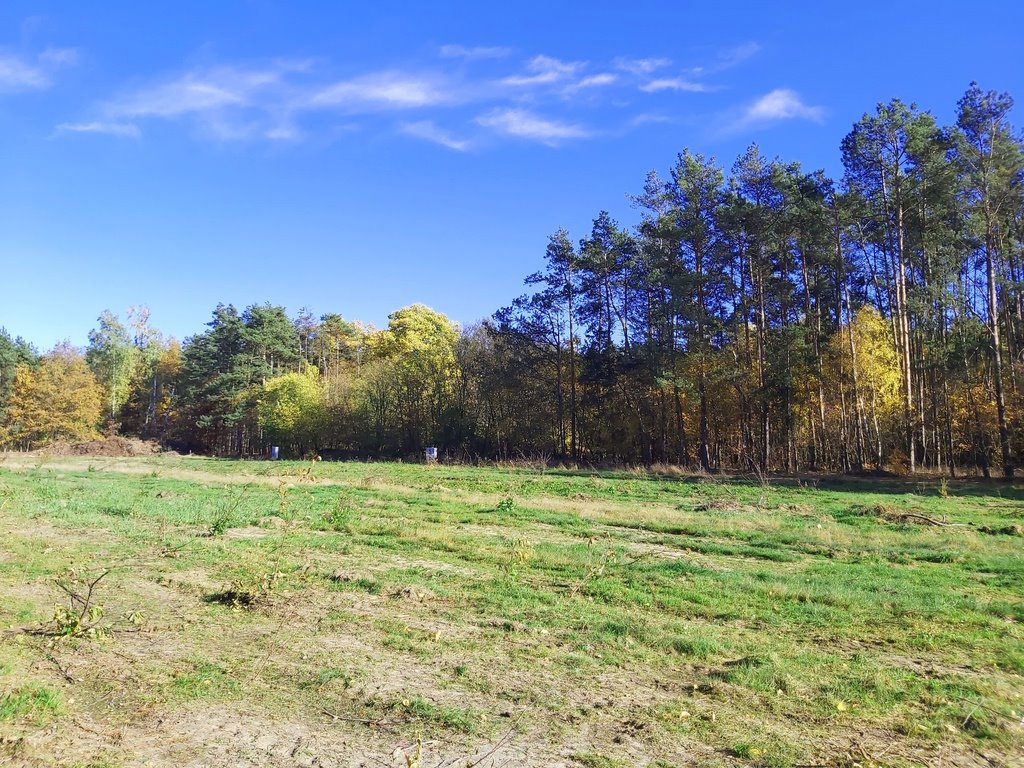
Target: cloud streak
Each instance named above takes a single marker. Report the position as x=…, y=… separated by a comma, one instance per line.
x=428, y=131
x=286, y=100
x=59, y=57
x=474, y=54
x=545, y=70
x=188, y=95
x=123, y=130
x=204, y=90
x=675, y=84
x=385, y=90
x=225, y=103
x=523, y=124
x=595, y=81
x=20, y=73
x=732, y=57
x=640, y=66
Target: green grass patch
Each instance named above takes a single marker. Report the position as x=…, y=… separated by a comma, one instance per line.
x=771, y=618
x=35, y=703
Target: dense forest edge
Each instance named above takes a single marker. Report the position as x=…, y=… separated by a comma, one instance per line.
x=764, y=319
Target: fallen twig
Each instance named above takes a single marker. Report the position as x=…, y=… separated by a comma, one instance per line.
x=387, y=724
x=987, y=709
x=497, y=745
x=63, y=670
x=903, y=516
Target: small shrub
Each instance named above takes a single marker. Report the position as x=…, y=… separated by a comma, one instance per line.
x=520, y=551
x=220, y=524
x=69, y=622
x=341, y=516
x=506, y=506
x=82, y=615
x=225, y=517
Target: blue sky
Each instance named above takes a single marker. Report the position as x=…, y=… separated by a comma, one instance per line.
x=357, y=159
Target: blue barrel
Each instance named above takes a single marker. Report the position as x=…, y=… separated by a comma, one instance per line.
x=274, y=450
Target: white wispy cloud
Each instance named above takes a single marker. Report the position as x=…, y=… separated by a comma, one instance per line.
x=781, y=104
x=774, y=107
x=544, y=70
x=188, y=95
x=239, y=103
x=731, y=57
x=594, y=81
x=201, y=91
x=692, y=79
x=726, y=59
x=17, y=75
x=226, y=103
x=675, y=84
x=589, y=83
x=24, y=73
x=292, y=100
x=526, y=125
x=232, y=103
x=283, y=133
x=649, y=117
x=389, y=90
x=474, y=53
x=427, y=130
x=59, y=57
x=640, y=66
x=124, y=130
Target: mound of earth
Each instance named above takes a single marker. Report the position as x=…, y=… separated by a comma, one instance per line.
x=115, y=446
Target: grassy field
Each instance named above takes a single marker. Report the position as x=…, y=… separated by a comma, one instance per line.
x=279, y=614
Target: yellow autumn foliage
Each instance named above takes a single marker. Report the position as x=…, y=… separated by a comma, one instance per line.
x=291, y=410
x=877, y=363
x=58, y=400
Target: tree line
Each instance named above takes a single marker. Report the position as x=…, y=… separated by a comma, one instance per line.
x=760, y=318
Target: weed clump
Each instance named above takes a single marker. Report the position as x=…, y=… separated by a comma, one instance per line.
x=1004, y=530
x=344, y=579
x=414, y=594
x=506, y=506
x=247, y=594
x=890, y=514
x=519, y=551
x=699, y=648
x=342, y=516
x=35, y=703
x=225, y=516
